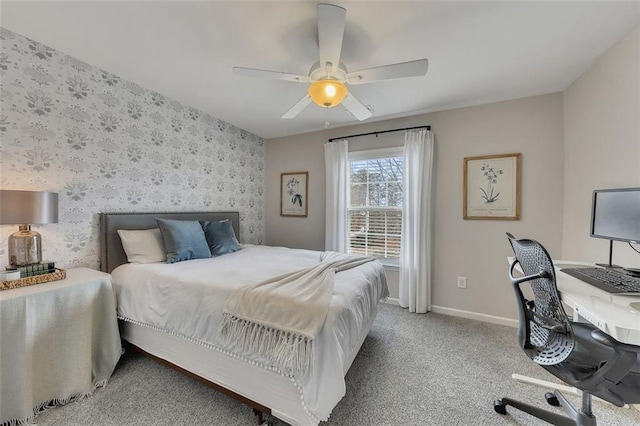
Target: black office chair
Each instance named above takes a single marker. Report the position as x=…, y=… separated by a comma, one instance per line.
x=577, y=353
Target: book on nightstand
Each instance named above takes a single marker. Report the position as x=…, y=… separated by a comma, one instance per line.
x=33, y=269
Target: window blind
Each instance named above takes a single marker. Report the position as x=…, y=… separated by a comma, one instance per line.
x=375, y=210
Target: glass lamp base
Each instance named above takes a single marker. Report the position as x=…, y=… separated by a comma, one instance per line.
x=25, y=247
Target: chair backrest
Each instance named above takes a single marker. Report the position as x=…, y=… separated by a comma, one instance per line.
x=544, y=332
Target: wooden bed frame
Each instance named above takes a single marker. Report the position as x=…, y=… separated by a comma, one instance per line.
x=258, y=409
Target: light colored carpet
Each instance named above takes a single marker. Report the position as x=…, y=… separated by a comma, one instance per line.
x=412, y=370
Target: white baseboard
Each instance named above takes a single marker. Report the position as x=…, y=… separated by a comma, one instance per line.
x=474, y=316
x=464, y=314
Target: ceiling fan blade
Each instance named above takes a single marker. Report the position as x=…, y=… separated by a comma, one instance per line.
x=298, y=107
x=331, y=22
x=355, y=107
x=388, y=72
x=274, y=75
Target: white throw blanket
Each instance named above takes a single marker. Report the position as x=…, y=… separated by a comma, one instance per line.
x=279, y=318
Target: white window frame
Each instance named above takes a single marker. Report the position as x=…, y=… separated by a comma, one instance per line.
x=372, y=154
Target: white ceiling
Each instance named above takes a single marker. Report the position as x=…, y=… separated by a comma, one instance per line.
x=479, y=51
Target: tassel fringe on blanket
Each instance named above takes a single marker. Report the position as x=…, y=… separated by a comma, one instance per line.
x=290, y=352
x=280, y=318
x=47, y=405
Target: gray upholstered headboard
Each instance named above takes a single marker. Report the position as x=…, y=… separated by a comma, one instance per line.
x=112, y=254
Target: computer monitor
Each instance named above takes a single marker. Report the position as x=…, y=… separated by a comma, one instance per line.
x=615, y=215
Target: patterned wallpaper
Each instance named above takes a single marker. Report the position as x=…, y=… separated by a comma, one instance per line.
x=107, y=145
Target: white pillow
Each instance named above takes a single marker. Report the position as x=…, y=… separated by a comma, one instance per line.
x=144, y=246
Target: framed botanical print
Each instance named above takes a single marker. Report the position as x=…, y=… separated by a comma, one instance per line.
x=492, y=187
x=293, y=194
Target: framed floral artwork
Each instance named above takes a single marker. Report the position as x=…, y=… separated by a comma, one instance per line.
x=492, y=187
x=293, y=194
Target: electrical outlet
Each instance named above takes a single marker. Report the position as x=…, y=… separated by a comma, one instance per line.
x=462, y=282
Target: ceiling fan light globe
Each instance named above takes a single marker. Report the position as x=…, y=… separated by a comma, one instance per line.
x=327, y=93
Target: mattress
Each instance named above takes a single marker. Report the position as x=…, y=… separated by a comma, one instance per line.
x=183, y=302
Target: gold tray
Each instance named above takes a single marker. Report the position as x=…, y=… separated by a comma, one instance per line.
x=59, y=274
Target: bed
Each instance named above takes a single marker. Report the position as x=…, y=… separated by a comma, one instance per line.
x=188, y=340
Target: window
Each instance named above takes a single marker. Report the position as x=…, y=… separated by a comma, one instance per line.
x=375, y=207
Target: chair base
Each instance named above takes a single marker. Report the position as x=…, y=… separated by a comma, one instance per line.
x=582, y=417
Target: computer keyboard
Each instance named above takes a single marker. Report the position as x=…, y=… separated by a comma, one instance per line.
x=607, y=279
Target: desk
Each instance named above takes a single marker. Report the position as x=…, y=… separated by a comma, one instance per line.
x=58, y=341
x=618, y=316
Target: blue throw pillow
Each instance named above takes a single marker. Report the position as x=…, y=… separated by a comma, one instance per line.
x=183, y=240
x=220, y=237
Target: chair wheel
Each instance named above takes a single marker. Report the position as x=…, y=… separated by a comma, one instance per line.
x=551, y=399
x=499, y=407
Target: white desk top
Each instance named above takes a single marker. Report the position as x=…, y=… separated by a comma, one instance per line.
x=618, y=316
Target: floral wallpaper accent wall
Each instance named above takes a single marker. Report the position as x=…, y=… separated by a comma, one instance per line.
x=108, y=145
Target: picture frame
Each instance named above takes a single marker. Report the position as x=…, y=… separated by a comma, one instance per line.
x=294, y=189
x=492, y=187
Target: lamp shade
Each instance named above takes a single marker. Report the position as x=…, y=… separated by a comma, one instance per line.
x=28, y=207
x=327, y=93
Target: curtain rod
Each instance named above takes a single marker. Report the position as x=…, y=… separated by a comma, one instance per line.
x=379, y=133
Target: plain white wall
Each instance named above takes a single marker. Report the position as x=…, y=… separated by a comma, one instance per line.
x=475, y=249
x=602, y=145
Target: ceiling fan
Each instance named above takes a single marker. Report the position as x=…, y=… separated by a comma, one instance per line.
x=328, y=76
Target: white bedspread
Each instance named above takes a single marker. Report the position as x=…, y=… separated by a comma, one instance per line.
x=187, y=298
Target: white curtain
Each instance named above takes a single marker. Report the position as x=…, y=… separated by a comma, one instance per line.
x=336, y=161
x=415, y=249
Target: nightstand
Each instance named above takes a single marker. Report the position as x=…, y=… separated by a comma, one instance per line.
x=58, y=340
